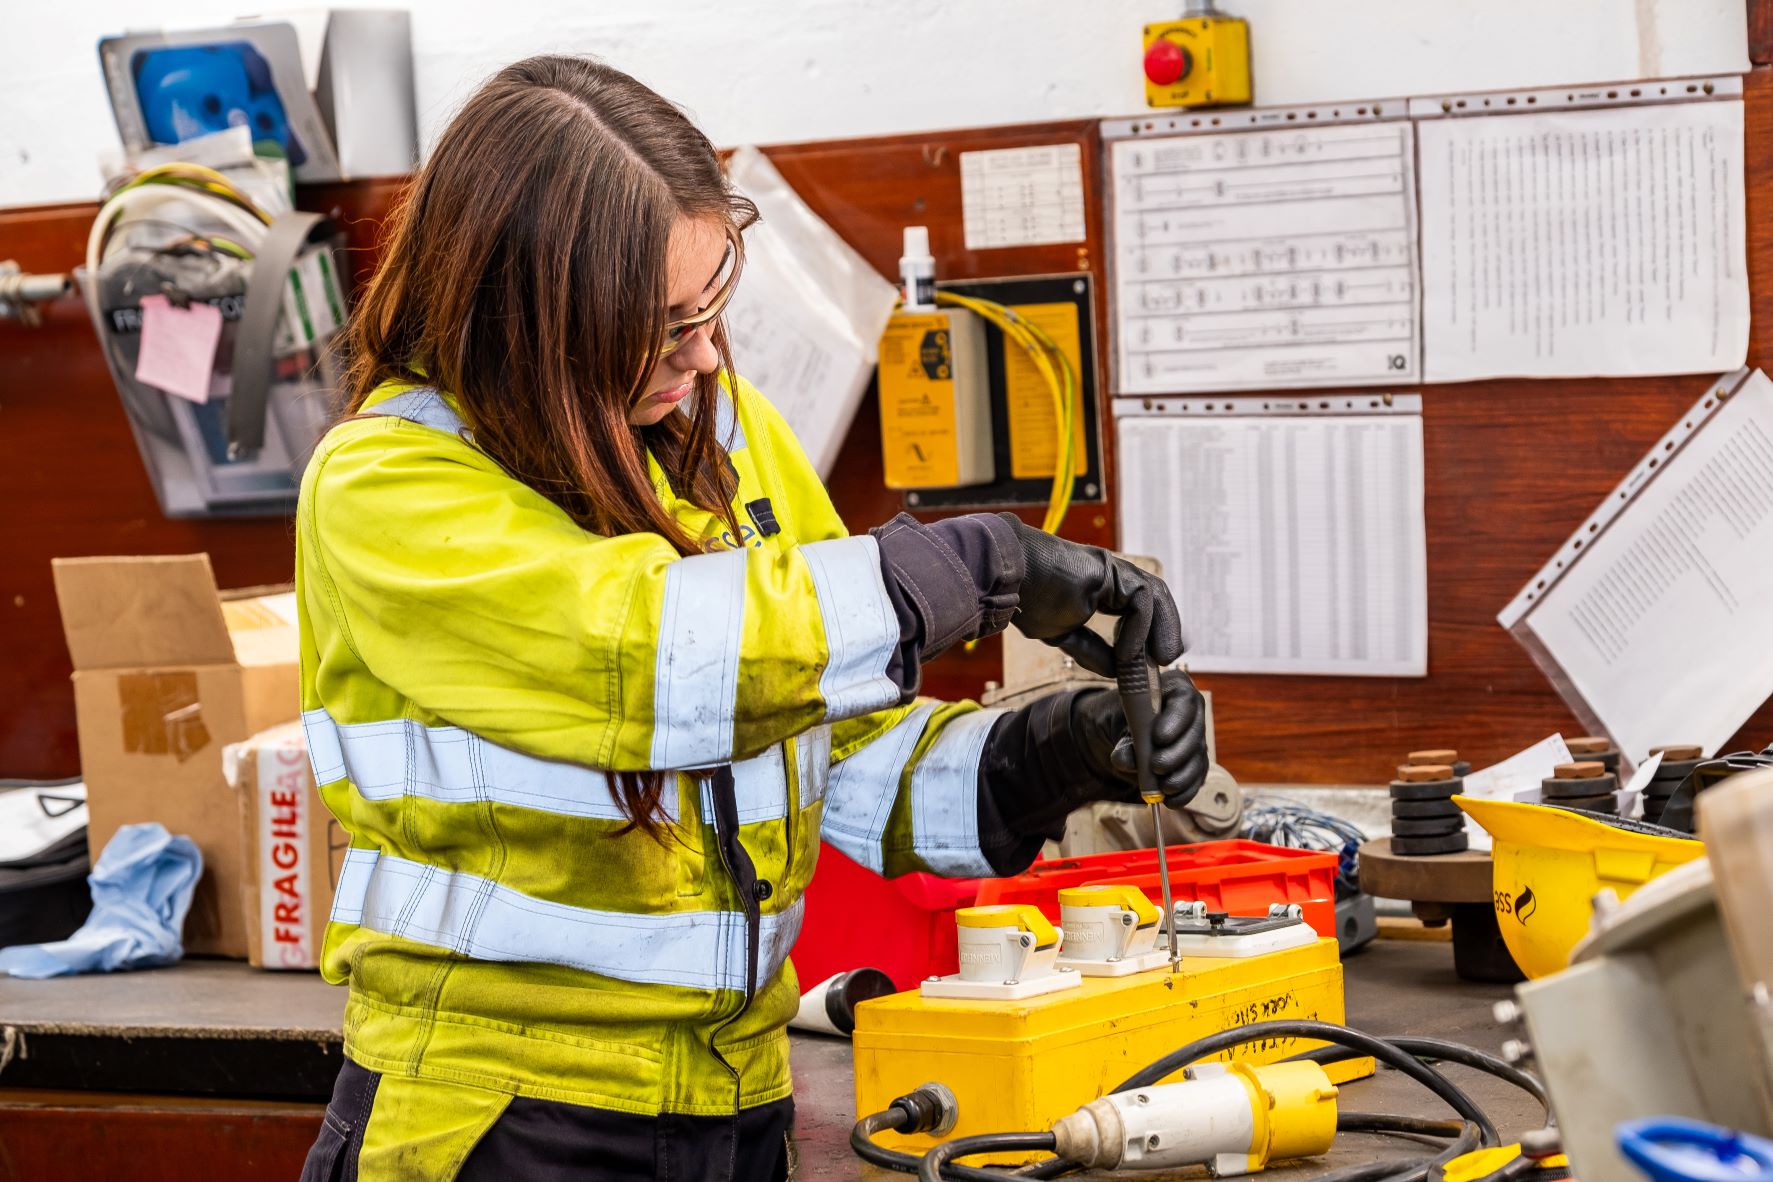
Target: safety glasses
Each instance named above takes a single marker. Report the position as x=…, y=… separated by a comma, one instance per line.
x=679, y=331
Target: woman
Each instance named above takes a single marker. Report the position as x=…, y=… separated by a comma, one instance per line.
x=590, y=665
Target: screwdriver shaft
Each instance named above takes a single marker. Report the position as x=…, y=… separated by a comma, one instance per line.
x=1163, y=877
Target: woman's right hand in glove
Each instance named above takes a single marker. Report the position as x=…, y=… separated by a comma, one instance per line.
x=1065, y=583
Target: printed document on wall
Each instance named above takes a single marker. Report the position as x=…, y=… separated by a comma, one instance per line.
x=1655, y=621
x=1294, y=543
x=806, y=320
x=1265, y=259
x=1584, y=243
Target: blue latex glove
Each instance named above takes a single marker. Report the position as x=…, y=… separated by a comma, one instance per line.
x=141, y=890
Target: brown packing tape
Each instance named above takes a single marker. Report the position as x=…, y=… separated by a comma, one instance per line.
x=161, y=714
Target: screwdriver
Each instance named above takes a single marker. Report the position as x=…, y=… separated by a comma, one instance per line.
x=1139, y=688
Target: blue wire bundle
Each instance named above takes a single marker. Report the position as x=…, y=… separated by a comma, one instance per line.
x=1278, y=820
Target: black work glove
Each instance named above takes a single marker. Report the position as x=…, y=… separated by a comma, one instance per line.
x=948, y=581
x=1068, y=749
x=1065, y=583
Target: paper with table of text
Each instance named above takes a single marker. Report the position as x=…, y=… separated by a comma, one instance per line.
x=1655, y=620
x=1581, y=243
x=1294, y=542
x=1265, y=259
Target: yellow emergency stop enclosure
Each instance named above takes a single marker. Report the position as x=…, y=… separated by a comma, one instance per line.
x=1020, y=1065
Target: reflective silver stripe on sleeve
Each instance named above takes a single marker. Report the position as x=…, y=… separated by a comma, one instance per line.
x=696, y=674
x=945, y=798
x=861, y=630
x=859, y=798
x=477, y=917
x=386, y=760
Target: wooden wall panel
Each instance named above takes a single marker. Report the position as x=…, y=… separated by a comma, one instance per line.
x=1511, y=468
x=74, y=483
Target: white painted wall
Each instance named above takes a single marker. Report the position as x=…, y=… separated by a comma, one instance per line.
x=781, y=70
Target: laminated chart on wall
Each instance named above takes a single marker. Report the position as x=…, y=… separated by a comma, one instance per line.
x=1601, y=234
x=1655, y=619
x=805, y=323
x=1263, y=259
x=1292, y=534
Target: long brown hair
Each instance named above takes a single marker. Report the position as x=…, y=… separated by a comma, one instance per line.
x=525, y=272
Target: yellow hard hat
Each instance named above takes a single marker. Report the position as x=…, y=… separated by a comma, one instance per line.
x=1550, y=863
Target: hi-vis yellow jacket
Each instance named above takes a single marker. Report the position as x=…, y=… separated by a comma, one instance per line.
x=471, y=658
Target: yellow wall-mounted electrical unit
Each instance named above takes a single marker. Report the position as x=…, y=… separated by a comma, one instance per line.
x=935, y=400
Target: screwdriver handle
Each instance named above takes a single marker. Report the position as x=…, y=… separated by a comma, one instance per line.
x=1138, y=684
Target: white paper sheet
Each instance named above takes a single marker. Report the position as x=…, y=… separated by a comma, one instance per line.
x=1265, y=259
x=806, y=321
x=1294, y=544
x=1520, y=773
x=1602, y=242
x=1660, y=628
x=1022, y=196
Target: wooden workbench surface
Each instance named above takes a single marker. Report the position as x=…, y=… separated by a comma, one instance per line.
x=224, y=1029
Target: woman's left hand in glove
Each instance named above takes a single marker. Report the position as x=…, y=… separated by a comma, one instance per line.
x=1066, y=750
x=1178, y=742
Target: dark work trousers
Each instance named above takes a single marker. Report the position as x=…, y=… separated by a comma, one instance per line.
x=544, y=1141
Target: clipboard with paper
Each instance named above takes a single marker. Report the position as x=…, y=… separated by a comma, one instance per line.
x=1654, y=620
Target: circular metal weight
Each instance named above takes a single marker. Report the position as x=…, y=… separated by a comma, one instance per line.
x=1565, y=789
x=1434, y=827
x=1422, y=810
x=1674, y=771
x=1412, y=847
x=1433, y=790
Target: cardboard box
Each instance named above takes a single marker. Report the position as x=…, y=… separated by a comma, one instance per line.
x=167, y=671
x=293, y=848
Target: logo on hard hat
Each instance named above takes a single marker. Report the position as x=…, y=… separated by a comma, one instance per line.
x=1525, y=904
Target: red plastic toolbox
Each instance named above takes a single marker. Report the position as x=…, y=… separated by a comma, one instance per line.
x=856, y=919
x=1241, y=877
x=905, y=926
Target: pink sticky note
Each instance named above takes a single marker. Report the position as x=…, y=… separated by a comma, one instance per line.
x=178, y=347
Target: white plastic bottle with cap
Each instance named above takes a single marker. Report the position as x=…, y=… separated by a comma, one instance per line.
x=917, y=270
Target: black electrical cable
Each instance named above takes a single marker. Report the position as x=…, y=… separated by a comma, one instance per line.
x=1436, y=1050
x=1472, y=1131
x=935, y=1162
x=1354, y=1040
x=1468, y=1139
x=1385, y=1122
x=862, y=1143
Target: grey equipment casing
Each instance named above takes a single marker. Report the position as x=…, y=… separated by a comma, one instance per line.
x=1664, y=1009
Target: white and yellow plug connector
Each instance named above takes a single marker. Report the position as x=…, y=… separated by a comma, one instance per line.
x=1233, y=1118
x=1008, y=952
x=1110, y=930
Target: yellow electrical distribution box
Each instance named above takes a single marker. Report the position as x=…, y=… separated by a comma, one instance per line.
x=935, y=401
x=1017, y=1066
x=1199, y=61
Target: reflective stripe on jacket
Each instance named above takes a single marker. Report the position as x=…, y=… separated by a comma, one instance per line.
x=473, y=663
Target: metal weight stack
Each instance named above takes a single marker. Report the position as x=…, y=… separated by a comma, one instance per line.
x=1595, y=749
x=1678, y=762
x=1424, y=819
x=1585, y=785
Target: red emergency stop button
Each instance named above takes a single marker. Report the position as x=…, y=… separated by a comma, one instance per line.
x=1166, y=62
